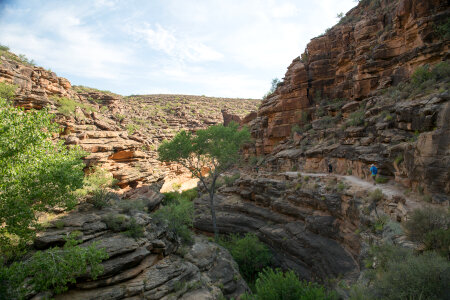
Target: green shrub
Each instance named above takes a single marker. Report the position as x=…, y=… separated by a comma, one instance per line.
x=97, y=179
x=35, y=172
x=190, y=194
x=134, y=230
x=130, y=205
x=7, y=91
x=398, y=159
x=341, y=186
x=229, y=180
x=296, y=129
x=404, y=275
x=273, y=87
x=116, y=222
x=251, y=255
x=381, y=179
x=51, y=270
x=131, y=128
x=171, y=198
x=178, y=217
x=67, y=106
x=443, y=30
x=356, y=118
x=430, y=226
x=421, y=74
x=375, y=196
x=276, y=285
x=100, y=198
x=4, y=48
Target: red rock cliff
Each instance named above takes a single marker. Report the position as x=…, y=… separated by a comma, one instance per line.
x=377, y=44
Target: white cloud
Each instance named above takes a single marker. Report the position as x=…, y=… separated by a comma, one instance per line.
x=220, y=48
x=186, y=48
x=67, y=46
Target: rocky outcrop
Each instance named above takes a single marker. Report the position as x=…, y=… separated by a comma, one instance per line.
x=153, y=265
x=310, y=228
x=377, y=44
x=344, y=100
x=228, y=118
x=119, y=133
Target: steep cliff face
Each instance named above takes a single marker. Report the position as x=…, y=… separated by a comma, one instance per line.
x=310, y=229
x=345, y=100
x=377, y=44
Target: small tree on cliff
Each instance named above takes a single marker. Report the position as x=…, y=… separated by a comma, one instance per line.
x=215, y=150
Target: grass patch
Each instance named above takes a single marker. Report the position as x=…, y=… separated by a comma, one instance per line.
x=381, y=179
x=67, y=106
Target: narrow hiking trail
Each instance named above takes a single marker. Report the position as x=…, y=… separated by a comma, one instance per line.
x=388, y=189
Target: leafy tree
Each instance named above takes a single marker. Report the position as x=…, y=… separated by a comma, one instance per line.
x=51, y=270
x=215, y=149
x=36, y=173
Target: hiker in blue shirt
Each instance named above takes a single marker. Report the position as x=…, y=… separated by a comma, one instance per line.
x=373, y=171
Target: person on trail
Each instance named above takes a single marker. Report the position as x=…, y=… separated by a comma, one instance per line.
x=257, y=169
x=330, y=168
x=373, y=171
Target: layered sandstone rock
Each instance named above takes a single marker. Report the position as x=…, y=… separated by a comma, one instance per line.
x=377, y=44
x=308, y=228
x=120, y=133
x=332, y=106
x=153, y=266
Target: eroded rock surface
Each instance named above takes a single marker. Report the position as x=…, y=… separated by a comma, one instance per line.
x=309, y=231
x=153, y=266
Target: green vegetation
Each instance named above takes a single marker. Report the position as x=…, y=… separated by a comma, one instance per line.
x=356, y=118
x=100, y=198
x=398, y=159
x=430, y=226
x=51, y=270
x=86, y=89
x=443, y=29
x=275, y=285
x=131, y=205
x=274, y=86
x=122, y=223
x=381, y=179
x=7, y=91
x=251, y=255
x=423, y=80
x=178, y=216
x=67, y=106
x=341, y=186
x=398, y=273
x=21, y=58
x=229, y=180
x=215, y=148
x=35, y=173
x=131, y=128
x=304, y=57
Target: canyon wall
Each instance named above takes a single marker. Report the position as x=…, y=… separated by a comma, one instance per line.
x=120, y=133
x=345, y=100
x=377, y=44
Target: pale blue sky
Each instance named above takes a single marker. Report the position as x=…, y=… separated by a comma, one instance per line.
x=228, y=48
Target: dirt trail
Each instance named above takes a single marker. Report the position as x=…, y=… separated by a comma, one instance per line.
x=389, y=190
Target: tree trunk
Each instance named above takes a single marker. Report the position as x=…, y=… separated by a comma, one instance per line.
x=213, y=214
